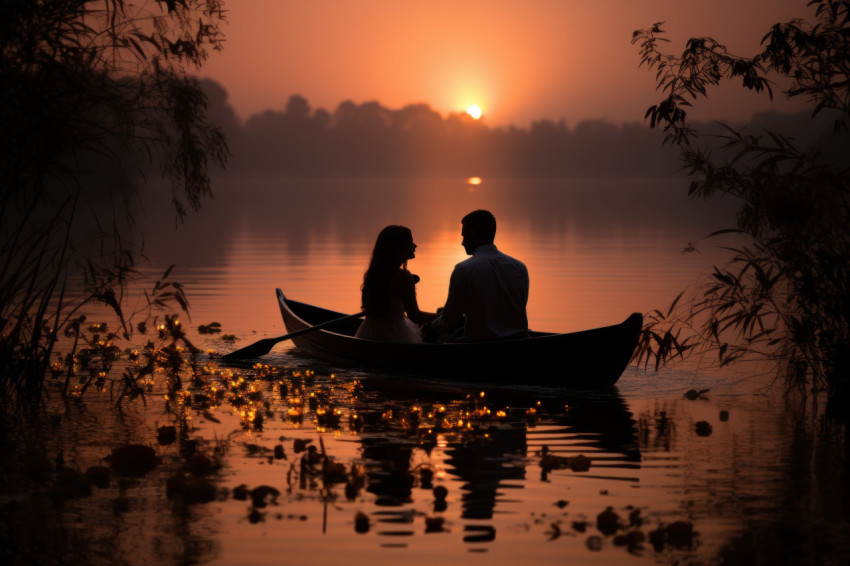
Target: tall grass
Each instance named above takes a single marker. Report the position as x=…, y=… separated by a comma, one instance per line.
x=92, y=92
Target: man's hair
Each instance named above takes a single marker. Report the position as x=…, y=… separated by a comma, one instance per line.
x=483, y=223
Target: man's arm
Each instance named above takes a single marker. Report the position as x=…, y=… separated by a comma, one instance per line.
x=452, y=314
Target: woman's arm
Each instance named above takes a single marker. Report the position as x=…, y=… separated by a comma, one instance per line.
x=406, y=288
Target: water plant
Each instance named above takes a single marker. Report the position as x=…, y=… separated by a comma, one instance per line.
x=94, y=96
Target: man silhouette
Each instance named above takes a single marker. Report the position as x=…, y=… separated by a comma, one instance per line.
x=488, y=292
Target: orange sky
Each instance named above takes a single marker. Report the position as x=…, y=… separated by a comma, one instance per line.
x=519, y=60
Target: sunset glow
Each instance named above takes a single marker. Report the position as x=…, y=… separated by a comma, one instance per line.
x=474, y=111
x=521, y=62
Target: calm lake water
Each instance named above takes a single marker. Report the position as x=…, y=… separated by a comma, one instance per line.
x=739, y=475
x=596, y=250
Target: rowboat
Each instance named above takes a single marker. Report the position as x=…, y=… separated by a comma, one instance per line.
x=588, y=359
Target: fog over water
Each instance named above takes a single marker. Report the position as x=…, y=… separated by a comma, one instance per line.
x=596, y=250
x=371, y=140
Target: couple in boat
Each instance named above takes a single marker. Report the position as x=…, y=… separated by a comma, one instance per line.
x=487, y=299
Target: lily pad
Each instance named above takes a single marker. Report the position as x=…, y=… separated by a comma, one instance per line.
x=133, y=460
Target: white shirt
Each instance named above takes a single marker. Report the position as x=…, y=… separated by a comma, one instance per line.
x=491, y=289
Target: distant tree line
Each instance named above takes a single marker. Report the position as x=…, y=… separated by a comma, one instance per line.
x=368, y=139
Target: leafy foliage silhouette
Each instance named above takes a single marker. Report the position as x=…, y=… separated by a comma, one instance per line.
x=89, y=90
x=785, y=294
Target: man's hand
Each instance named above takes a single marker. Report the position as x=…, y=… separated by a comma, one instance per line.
x=429, y=334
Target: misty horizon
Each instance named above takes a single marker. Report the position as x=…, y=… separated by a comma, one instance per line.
x=368, y=139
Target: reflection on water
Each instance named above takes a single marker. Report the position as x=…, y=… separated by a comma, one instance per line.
x=596, y=250
x=327, y=469
x=286, y=466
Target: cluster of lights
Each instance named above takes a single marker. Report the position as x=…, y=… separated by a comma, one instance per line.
x=434, y=425
x=169, y=326
x=58, y=367
x=295, y=415
x=251, y=394
x=328, y=418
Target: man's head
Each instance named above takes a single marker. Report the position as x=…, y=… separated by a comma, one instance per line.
x=479, y=228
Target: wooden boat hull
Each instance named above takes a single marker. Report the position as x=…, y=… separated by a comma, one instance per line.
x=590, y=359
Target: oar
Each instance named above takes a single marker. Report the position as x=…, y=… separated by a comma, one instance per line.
x=265, y=345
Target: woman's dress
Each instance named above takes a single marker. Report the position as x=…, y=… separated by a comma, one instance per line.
x=392, y=327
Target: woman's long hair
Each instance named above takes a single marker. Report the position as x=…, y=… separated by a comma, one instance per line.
x=390, y=252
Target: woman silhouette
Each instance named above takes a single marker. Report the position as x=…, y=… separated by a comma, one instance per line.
x=389, y=291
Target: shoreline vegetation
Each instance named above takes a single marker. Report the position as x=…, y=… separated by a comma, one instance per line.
x=90, y=89
x=785, y=295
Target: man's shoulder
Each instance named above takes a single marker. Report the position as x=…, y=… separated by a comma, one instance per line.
x=514, y=260
x=464, y=265
x=487, y=257
x=503, y=257
x=513, y=266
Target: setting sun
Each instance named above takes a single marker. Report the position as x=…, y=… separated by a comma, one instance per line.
x=474, y=111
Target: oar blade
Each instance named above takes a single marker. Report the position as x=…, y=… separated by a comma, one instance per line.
x=254, y=350
x=265, y=345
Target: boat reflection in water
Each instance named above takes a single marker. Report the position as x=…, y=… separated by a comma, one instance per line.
x=480, y=448
x=487, y=461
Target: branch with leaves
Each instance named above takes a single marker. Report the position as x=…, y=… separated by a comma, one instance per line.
x=784, y=295
x=92, y=92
